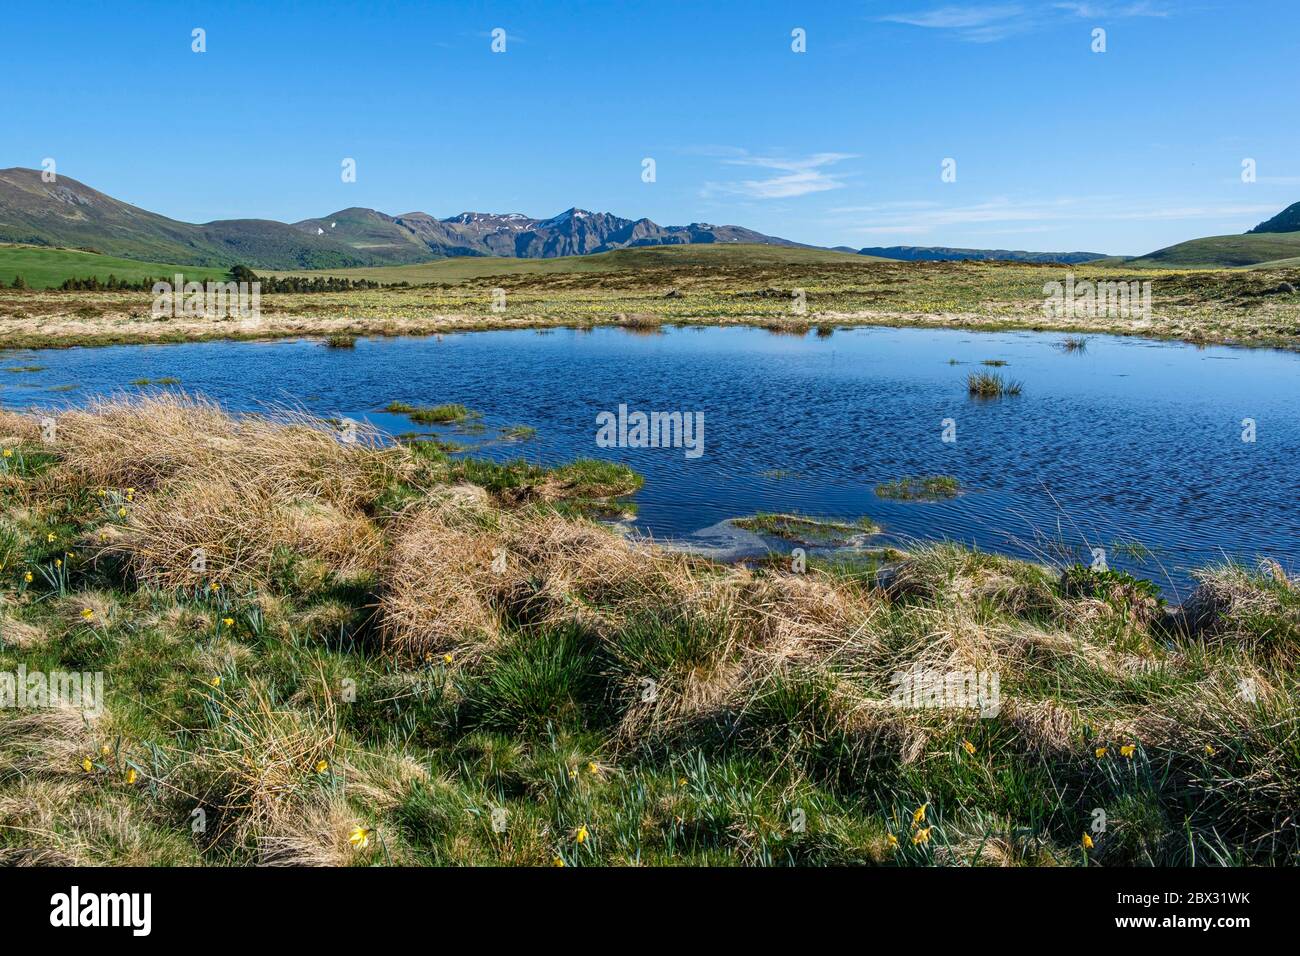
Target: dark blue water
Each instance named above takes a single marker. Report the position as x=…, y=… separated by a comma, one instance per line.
x=1127, y=441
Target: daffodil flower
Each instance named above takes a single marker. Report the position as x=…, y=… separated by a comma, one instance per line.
x=1086, y=842
x=581, y=835
x=359, y=838
x=87, y=614
x=1127, y=750
x=921, y=836
x=228, y=621
x=86, y=765
x=968, y=746
x=322, y=766
x=919, y=815
x=1100, y=752
x=130, y=776
x=216, y=681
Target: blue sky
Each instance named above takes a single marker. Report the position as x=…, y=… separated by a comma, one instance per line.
x=1057, y=148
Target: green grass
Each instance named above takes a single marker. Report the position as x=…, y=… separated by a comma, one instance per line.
x=930, y=488
x=442, y=414
x=46, y=268
x=165, y=380
x=449, y=414
x=801, y=529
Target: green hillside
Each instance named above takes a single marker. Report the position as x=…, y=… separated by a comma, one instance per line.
x=46, y=268
x=71, y=215
x=1224, y=252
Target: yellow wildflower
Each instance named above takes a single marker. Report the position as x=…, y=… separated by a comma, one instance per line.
x=228, y=621
x=105, y=750
x=9, y=452
x=921, y=836
x=1100, y=752
x=1086, y=842
x=448, y=658
x=919, y=816
x=87, y=614
x=359, y=838
x=322, y=766
x=51, y=537
x=130, y=776
x=591, y=767
x=893, y=841
x=216, y=681
x=86, y=765
x=1209, y=751
x=121, y=512
x=1127, y=750
x=558, y=861
x=968, y=746
x=581, y=835
x=28, y=577
x=58, y=562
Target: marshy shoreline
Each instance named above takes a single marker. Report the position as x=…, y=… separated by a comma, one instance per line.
x=387, y=655
x=1204, y=307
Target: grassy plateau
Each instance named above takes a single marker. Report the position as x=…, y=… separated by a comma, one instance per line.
x=328, y=652
x=642, y=289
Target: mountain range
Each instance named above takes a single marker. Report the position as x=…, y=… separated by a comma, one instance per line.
x=71, y=214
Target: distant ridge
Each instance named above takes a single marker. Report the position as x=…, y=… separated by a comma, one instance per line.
x=1288, y=220
x=947, y=254
x=70, y=214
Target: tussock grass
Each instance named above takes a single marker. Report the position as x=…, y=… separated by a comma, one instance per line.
x=400, y=663
x=991, y=385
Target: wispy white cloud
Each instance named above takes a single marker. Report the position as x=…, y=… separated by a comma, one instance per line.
x=992, y=22
x=794, y=177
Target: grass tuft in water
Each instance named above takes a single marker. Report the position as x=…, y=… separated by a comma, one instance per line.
x=991, y=385
x=930, y=488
